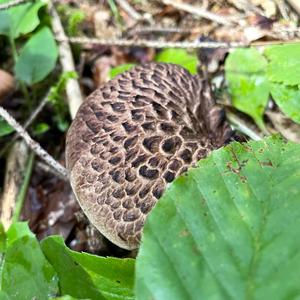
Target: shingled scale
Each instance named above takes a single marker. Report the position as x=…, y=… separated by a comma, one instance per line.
x=132, y=137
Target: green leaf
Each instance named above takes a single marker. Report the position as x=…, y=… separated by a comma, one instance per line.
x=228, y=229
x=37, y=58
x=5, y=129
x=26, y=274
x=77, y=16
x=180, y=57
x=248, y=85
x=120, y=69
x=284, y=63
x=288, y=100
x=41, y=128
x=4, y=296
x=20, y=19
x=18, y=230
x=84, y=275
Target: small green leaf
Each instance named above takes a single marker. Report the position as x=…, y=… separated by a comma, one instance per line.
x=180, y=57
x=84, y=275
x=59, y=87
x=230, y=228
x=40, y=128
x=288, y=100
x=37, y=58
x=248, y=85
x=26, y=274
x=284, y=63
x=5, y=129
x=120, y=69
x=77, y=16
x=20, y=19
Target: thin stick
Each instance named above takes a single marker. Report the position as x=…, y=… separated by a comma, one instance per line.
x=47, y=169
x=200, y=12
x=295, y=4
x=12, y=4
x=129, y=10
x=33, y=145
x=166, y=44
x=31, y=118
x=242, y=127
x=14, y=175
x=66, y=59
x=148, y=29
x=23, y=189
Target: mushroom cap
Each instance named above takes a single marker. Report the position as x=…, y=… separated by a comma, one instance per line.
x=132, y=137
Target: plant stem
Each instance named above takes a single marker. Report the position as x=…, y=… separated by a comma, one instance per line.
x=23, y=190
x=15, y=56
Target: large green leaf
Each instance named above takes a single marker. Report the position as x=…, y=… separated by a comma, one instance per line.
x=248, y=85
x=20, y=19
x=288, y=99
x=37, y=58
x=284, y=63
x=84, y=275
x=25, y=273
x=228, y=229
x=180, y=57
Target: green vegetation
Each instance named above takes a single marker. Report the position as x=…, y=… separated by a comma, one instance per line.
x=253, y=76
x=230, y=225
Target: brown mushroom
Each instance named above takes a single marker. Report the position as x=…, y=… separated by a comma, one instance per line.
x=132, y=137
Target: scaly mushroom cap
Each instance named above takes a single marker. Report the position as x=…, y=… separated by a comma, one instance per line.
x=132, y=137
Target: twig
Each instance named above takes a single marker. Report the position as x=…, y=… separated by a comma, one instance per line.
x=167, y=44
x=246, y=6
x=282, y=8
x=66, y=59
x=200, y=12
x=47, y=169
x=242, y=127
x=14, y=173
x=148, y=29
x=33, y=144
x=37, y=111
x=129, y=10
x=12, y=4
x=23, y=188
x=27, y=123
x=295, y=4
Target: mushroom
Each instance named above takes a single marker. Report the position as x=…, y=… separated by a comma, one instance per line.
x=132, y=137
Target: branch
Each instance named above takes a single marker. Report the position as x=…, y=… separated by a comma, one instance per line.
x=167, y=44
x=66, y=59
x=129, y=10
x=14, y=173
x=12, y=4
x=200, y=12
x=33, y=145
x=295, y=5
x=242, y=127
